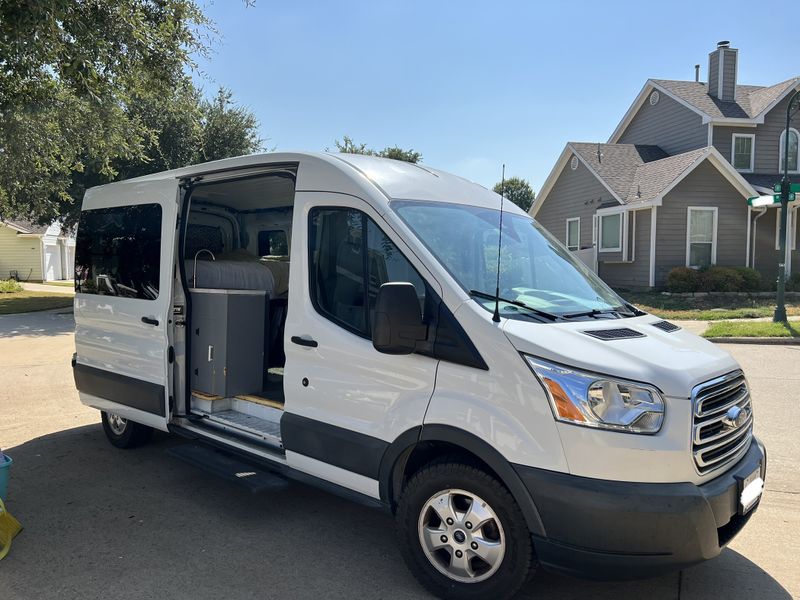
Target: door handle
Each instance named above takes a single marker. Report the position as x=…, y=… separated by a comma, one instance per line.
x=150, y=321
x=296, y=339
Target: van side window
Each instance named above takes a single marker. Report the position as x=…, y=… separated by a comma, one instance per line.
x=345, y=244
x=273, y=242
x=118, y=251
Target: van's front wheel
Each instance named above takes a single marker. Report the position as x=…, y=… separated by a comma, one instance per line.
x=123, y=433
x=462, y=534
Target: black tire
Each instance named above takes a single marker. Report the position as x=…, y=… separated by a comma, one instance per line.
x=518, y=563
x=130, y=435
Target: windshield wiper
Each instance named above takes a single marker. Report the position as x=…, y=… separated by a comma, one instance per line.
x=599, y=311
x=535, y=311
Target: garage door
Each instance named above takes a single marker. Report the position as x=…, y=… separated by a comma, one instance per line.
x=52, y=262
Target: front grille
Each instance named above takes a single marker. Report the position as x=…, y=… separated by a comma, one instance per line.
x=620, y=333
x=716, y=439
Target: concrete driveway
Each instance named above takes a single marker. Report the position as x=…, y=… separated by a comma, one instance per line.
x=105, y=523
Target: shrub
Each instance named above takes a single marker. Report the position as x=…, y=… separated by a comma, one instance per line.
x=751, y=279
x=682, y=279
x=719, y=279
x=793, y=283
x=9, y=286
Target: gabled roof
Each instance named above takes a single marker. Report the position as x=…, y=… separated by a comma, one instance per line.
x=616, y=164
x=752, y=102
x=27, y=227
x=636, y=174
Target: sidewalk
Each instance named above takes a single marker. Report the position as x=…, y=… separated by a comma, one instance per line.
x=53, y=289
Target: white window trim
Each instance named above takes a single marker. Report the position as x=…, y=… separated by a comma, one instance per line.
x=791, y=229
x=782, y=147
x=689, y=210
x=617, y=248
x=566, y=237
x=752, y=137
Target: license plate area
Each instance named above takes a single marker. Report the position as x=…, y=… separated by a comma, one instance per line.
x=750, y=489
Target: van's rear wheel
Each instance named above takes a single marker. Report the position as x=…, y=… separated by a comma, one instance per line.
x=124, y=433
x=463, y=535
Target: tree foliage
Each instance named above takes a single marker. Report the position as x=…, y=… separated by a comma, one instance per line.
x=348, y=146
x=95, y=90
x=518, y=190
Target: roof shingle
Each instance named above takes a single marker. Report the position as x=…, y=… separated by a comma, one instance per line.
x=751, y=100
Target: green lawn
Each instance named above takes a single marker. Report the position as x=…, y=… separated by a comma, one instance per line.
x=752, y=329
x=706, y=308
x=19, y=302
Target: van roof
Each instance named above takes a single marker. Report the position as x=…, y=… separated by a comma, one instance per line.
x=324, y=171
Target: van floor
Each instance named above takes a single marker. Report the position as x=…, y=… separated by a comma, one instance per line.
x=256, y=416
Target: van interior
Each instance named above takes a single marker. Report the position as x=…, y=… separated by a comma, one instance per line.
x=235, y=269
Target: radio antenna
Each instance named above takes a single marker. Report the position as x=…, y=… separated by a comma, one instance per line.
x=496, y=316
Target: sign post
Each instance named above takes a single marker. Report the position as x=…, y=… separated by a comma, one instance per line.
x=786, y=189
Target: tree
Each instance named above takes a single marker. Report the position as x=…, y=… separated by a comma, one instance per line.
x=348, y=146
x=76, y=78
x=185, y=129
x=227, y=130
x=518, y=190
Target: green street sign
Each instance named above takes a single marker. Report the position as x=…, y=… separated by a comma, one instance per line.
x=765, y=200
x=793, y=187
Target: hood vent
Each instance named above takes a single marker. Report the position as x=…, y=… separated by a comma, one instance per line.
x=665, y=326
x=622, y=333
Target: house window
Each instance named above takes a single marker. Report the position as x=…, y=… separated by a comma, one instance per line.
x=794, y=166
x=574, y=233
x=701, y=237
x=791, y=229
x=743, y=147
x=611, y=232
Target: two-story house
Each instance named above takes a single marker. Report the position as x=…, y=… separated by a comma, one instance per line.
x=670, y=187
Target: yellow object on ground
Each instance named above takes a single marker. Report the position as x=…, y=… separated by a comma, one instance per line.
x=9, y=528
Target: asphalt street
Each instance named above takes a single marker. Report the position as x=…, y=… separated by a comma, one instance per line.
x=105, y=523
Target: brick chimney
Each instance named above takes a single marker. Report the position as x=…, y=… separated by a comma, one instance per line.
x=722, y=68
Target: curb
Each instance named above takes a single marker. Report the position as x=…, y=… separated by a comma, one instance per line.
x=776, y=341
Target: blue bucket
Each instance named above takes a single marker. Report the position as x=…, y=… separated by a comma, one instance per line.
x=5, y=469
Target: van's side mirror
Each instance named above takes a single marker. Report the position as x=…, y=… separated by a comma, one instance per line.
x=397, y=325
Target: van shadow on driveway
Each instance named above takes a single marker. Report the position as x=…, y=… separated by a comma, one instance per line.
x=107, y=523
x=45, y=323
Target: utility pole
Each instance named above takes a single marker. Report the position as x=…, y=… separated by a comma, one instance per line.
x=780, y=308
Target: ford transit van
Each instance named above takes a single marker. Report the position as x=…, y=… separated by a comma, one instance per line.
x=340, y=319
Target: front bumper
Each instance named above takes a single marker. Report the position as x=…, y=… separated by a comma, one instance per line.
x=620, y=530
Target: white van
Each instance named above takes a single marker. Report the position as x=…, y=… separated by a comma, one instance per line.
x=333, y=317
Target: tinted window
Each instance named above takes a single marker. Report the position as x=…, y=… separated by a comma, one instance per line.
x=118, y=251
x=345, y=244
x=273, y=243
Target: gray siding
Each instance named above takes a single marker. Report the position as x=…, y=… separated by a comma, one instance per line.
x=729, y=74
x=768, y=137
x=713, y=72
x=636, y=274
x=764, y=238
x=705, y=186
x=576, y=193
x=668, y=124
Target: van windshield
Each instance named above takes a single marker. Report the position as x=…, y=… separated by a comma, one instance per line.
x=536, y=271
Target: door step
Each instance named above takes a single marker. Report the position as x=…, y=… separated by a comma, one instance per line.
x=228, y=466
x=266, y=429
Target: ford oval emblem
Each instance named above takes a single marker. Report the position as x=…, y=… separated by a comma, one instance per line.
x=735, y=417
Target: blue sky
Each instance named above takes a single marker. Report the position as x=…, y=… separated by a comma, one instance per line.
x=471, y=85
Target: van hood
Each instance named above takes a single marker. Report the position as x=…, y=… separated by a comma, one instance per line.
x=674, y=362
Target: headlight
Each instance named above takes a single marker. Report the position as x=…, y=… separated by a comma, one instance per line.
x=593, y=400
